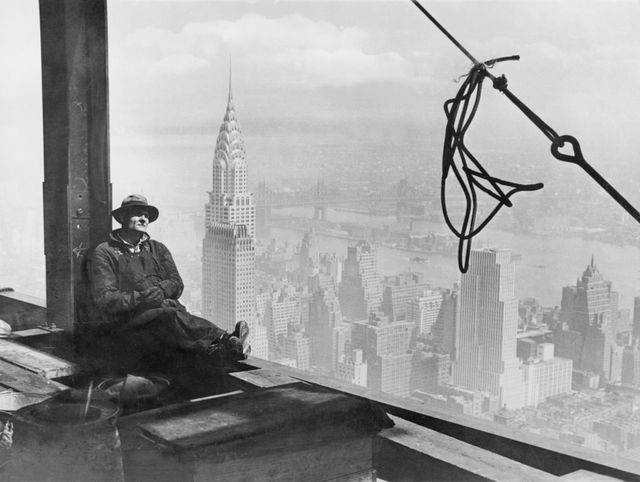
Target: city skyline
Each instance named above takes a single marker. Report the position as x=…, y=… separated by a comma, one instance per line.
x=369, y=292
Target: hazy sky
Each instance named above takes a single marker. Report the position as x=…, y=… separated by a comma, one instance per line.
x=339, y=72
x=318, y=73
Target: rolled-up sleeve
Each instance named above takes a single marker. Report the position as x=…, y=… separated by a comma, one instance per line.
x=172, y=284
x=104, y=285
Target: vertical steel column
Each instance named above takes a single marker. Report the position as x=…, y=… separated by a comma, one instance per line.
x=76, y=189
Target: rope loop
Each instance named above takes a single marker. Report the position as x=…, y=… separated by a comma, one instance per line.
x=466, y=168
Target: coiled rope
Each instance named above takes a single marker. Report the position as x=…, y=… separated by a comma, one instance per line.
x=470, y=175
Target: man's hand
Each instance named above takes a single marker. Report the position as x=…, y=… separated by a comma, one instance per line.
x=152, y=296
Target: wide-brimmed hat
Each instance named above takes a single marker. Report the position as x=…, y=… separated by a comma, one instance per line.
x=131, y=202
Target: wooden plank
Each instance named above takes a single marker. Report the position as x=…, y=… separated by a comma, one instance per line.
x=586, y=476
x=23, y=380
x=368, y=475
x=282, y=410
x=263, y=378
x=35, y=361
x=337, y=460
x=29, y=333
x=422, y=449
x=512, y=442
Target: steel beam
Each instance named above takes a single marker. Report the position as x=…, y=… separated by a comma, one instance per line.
x=76, y=188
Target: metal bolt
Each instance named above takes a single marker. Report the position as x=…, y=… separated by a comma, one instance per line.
x=79, y=212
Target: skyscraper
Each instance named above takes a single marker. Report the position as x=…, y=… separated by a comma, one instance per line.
x=228, y=284
x=324, y=322
x=360, y=291
x=636, y=317
x=546, y=376
x=398, y=292
x=423, y=312
x=385, y=347
x=486, y=357
x=587, y=311
x=282, y=311
x=298, y=347
x=444, y=329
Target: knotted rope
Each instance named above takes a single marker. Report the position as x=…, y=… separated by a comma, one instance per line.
x=460, y=112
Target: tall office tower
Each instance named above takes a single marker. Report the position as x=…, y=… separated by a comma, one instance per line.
x=322, y=281
x=423, y=311
x=486, y=357
x=398, y=291
x=283, y=310
x=587, y=311
x=298, y=347
x=228, y=284
x=636, y=317
x=360, y=291
x=429, y=370
x=631, y=365
x=324, y=318
x=308, y=258
x=352, y=368
x=444, y=329
x=332, y=265
x=385, y=346
x=546, y=376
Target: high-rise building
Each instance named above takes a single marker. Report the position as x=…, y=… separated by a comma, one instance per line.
x=297, y=347
x=324, y=318
x=631, y=365
x=546, y=375
x=308, y=257
x=360, y=291
x=398, y=291
x=228, y=284
x=352, y=368
x=429, y=370
x=444, y=329
x=385, y=346
x=423, y=311
x=283, y=310
x=588, y=310
x=636, y=317
x=332, y=265
x=486, y=357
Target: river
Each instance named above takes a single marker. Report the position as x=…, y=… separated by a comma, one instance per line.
x=548, y=263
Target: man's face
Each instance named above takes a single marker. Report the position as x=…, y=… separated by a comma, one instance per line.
x=138, y=220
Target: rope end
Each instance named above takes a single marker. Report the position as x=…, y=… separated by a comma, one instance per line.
x=500, y=83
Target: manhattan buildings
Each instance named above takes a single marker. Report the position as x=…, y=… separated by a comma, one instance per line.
x=486, y=357
x=587, y=334
x=228, y=278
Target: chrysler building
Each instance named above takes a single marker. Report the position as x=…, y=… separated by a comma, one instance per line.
x=228, y=267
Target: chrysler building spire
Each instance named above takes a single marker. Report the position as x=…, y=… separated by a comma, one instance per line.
x=228, y=261
x=230, y=99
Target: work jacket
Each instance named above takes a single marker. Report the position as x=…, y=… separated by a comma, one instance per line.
x=118, y=276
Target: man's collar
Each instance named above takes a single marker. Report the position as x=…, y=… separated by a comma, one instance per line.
x=132, y=248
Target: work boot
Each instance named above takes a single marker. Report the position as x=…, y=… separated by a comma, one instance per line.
x=241, y=331
x=232, y=346
x=237, y=342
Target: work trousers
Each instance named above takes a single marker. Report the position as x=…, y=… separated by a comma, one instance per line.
x=153, y=337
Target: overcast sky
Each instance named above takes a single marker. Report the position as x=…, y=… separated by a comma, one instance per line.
x=303, y=70
x=331, y=73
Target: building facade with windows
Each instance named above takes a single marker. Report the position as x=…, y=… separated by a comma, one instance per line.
x=228, y=258
x=486, y=358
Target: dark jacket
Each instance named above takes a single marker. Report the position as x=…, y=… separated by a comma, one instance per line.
x=117, y=277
